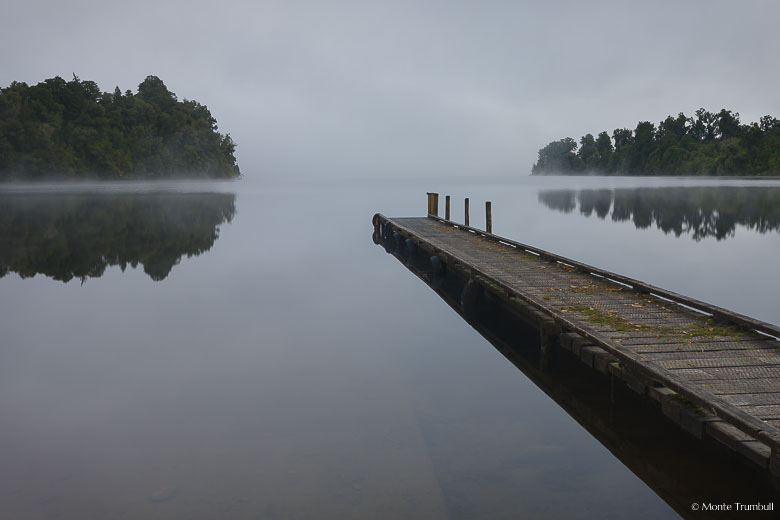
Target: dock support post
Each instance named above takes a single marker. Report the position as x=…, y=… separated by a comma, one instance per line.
x=430, y=202
x=436, y=204
x=774, y=459
x=548, y=337
x=488, y=217
x=447, y=207
x=466, y=221
x=611, y=387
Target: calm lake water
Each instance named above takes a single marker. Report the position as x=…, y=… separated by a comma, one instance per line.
x=243, y=349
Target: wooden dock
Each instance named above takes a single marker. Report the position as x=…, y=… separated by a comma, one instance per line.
x=715, y=372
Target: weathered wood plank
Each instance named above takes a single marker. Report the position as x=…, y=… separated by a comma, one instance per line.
x=753, y=399
x=674, y=344
x=738, y=386
x=733, y=372
x=733, y=360
x=764, y=411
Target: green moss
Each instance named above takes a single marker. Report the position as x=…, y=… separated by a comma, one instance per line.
x=594, y=288
x=489, y=284
x=709, y=328
x=703, y=329
x=689, y=405
x=610, y=319
x=587, y=289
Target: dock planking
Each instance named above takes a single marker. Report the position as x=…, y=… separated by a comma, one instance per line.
x=721, y=363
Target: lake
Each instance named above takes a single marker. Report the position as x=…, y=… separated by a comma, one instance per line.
x=243, y=349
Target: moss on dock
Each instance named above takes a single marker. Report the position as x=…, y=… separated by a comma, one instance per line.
x=710, y=328
x=609, y=318
x=689, y=405
x=704, y=329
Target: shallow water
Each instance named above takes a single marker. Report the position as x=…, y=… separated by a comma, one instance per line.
x=264, y=359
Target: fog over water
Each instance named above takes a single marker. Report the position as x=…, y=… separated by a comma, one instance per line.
x=289, y=368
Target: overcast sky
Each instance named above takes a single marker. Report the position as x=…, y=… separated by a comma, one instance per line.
x=363, y=88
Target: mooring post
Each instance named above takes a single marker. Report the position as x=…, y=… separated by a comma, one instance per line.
x=447, y=207
x=436, y=204
x=430, y=202
x=466, y=221
x=488, y=218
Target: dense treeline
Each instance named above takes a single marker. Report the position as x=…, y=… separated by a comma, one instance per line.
x=80, y=235
x=711, y=211
x=61, y=128
x=706, y=144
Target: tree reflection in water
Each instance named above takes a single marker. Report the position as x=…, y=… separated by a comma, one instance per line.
x=66, y=236
x=712, y=211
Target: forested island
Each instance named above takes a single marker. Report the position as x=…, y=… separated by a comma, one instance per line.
x=70, y=129
x=706, y=144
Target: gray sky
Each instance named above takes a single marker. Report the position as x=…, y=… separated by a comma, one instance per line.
x=409, y=88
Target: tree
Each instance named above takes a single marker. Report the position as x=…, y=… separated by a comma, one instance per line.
x=556, y=157
x=604, y=150
x=623, y=137
x=768, y=123
x=727, y=124
x=672, y=130
x=588, y=153
x=153, y=91
x=703, y=127
x=644, y=135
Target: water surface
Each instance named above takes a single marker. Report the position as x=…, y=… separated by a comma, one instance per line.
x=243, y=350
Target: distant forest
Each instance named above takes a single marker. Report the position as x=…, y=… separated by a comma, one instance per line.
x=706, y=144
x=70, y=129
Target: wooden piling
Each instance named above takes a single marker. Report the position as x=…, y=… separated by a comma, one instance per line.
x=430, y=203
x=488, y=217
x=436, y=204
x=447, y=207
x=466, y=221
